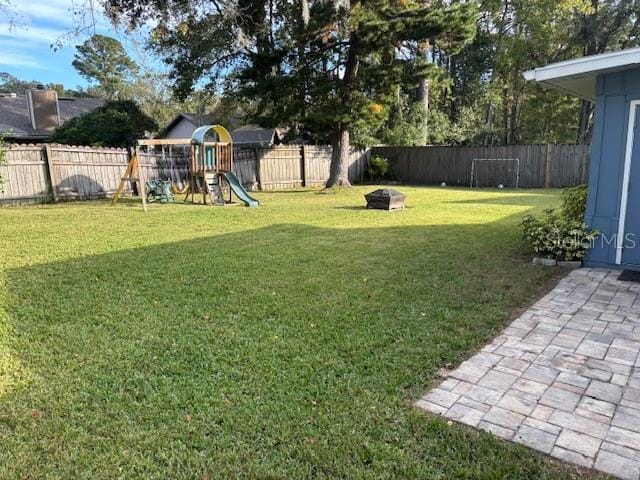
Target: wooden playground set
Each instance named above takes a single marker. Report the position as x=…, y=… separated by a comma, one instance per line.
x=210, y=171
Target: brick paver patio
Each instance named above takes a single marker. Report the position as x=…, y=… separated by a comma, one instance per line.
x=564, y=378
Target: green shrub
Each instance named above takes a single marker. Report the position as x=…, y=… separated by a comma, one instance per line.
x=561, y=234
x=574, y=202
x=380, y=169
x=117, y=123
x=553, y=235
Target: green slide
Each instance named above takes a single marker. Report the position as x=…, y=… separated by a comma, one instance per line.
x=239, y=190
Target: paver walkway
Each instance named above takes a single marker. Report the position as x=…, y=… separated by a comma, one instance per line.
x=564, y=378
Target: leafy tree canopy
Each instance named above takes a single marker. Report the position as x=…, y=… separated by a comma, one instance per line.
x=116, y=124
x=388, y=71
x=323, y=68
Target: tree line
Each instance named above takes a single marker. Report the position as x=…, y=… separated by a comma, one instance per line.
x=383, y=71
x=344, y=72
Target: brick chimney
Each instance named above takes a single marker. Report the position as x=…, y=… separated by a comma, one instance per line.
x=43, y=109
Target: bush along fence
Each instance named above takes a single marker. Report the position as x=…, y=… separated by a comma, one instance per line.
x=51, y=172
x=528, y=166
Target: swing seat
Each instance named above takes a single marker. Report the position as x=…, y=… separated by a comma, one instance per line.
x=176, y=190
x=159, y=190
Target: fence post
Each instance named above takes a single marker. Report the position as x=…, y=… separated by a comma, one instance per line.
x=256, y=154
x=548, y=177
x=303, y=165
x=48, y=155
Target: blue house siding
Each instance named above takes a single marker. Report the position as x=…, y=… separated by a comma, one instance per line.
x=614, y=92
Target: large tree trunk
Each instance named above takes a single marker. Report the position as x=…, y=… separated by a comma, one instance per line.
x=488, y=121
x=339, y=171
x=514, y=123
x=505, y=116
x=491, y=137
x=422, y=92
x=585, y=126
x=588, y=33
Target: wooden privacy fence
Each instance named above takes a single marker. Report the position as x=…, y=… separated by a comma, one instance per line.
x=40, y=173
x=544, y=165
x=278, y=167
x=292, y=166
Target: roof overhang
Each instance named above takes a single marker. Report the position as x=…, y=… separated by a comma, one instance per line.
x=578, y=77
x=16, y=133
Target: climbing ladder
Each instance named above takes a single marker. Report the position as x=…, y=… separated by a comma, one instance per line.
x=212, y=182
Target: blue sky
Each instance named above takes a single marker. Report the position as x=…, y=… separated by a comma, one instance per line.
x=25, y=50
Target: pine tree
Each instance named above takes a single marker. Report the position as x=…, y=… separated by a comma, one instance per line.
x=104, y=60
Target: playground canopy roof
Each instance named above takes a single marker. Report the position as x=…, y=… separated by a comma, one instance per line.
x=578, y=77
x=199, y=136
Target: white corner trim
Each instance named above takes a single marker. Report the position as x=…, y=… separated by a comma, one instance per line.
x=578, y=76
x=624, y=200
x=586, y=65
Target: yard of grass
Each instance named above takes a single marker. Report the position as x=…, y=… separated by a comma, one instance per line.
x=286, y=341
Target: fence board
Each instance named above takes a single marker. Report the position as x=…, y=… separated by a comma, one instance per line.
x=245, y=168
x=84, y=172
x=280, y=167
x=318, y=160
x=25, y=174
x=432, y=165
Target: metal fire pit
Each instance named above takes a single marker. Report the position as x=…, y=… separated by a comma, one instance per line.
x=385, y=199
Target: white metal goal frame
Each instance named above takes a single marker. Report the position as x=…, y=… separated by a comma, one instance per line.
x=476, y=160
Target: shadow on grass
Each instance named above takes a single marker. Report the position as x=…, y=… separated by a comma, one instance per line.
x=524, y=199
x=282, y=352
x=296, y=191
x=364, y=208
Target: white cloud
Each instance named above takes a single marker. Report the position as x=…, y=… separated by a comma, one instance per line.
x=42, y=23
x=15, y=44
x=14, y=59
x=49, y=21
x=30, y=33
x=52, y=10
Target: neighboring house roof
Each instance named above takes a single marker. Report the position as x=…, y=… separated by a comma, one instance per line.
x=15, y=121
x=195, y=118
x=253, y=133
x=578, y=77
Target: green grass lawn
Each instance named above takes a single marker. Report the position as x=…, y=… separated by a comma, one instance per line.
x=287, y=341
